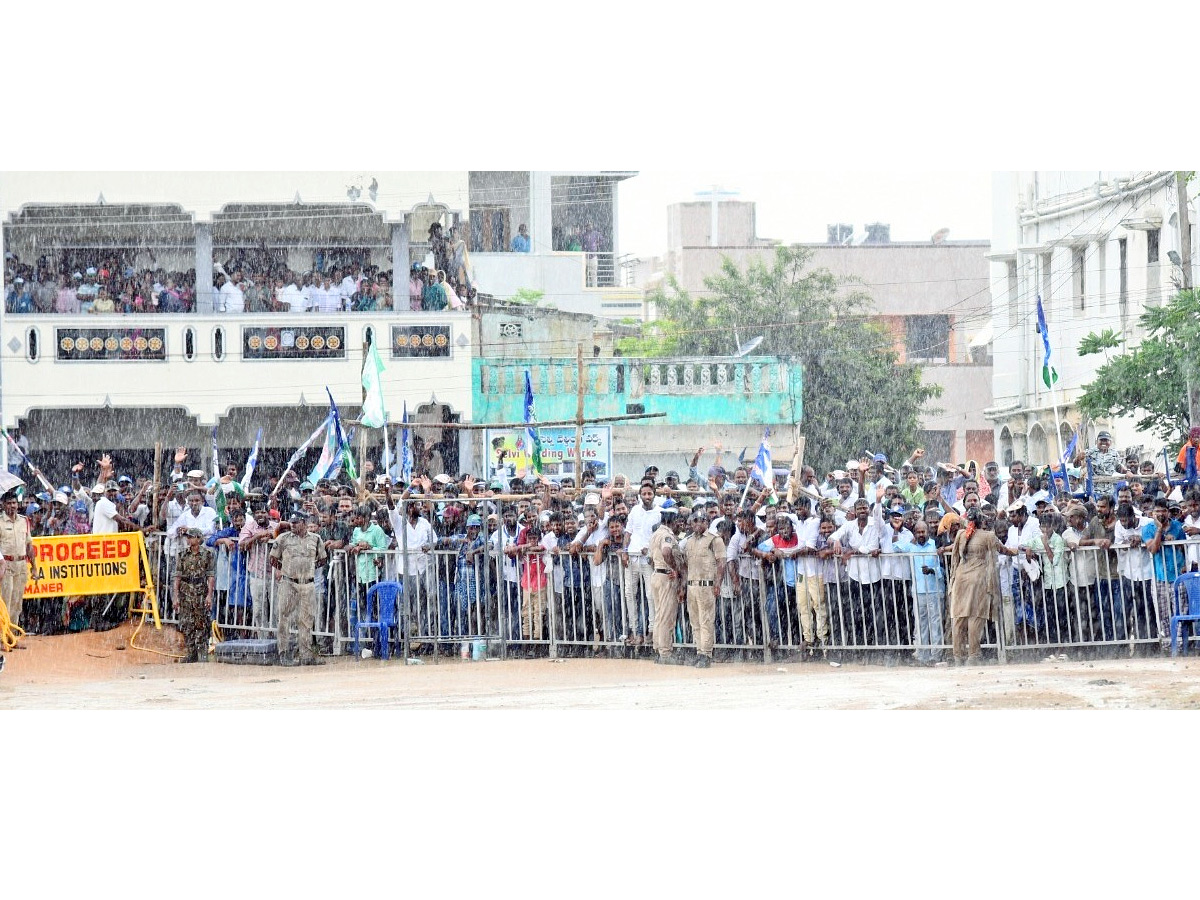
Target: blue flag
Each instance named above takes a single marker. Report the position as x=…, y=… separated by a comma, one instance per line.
x=321, y=429
x=1049, y=374
x=531, y=433
x=251, y=463
x=406, y=454
x=762, y=462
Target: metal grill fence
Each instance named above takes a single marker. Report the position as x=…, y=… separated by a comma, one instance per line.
x=557, y=603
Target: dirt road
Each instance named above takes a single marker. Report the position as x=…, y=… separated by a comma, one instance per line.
x=100, y=671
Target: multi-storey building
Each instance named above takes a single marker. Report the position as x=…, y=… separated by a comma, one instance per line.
x=1098, y=249
x=933, y=297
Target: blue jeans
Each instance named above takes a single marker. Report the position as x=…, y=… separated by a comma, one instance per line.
x=612, y=604
x=1111, y=601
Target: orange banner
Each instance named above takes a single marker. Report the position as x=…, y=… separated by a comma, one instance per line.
x=78, y=564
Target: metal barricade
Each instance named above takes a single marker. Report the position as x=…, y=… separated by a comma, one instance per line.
x=554, y=599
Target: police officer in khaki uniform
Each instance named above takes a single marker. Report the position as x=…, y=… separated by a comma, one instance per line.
x=665, y=578
x=18, y=555
x=705, y=556
x=297, y=553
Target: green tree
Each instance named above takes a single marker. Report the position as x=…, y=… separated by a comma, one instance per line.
x=857, y=395
x=1151, y=380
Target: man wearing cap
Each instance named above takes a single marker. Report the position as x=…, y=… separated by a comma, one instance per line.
x=296, y=554
x=195, y=581
x=1104, y=459
x=665, y=583
x=106, y=519
x=704, y=556
x=16, y=555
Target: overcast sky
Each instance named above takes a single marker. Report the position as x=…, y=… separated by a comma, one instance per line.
x=796, y=207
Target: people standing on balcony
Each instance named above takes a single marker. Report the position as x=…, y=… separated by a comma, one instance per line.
x=104, y=302
x=434, y=296
x=19, y=298
x=45, y=293
x=459, y=271
x=590, y=241
x=520, y=241
x=416, y=287
x=439, y=246
x=290, y=296
x=66, y=301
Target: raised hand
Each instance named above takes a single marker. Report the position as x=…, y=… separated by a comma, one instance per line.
x=180, y=455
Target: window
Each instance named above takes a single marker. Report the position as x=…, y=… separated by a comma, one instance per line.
x=927, y=338
x=218, y=343
x=511, y=330
x=31, y=344
x=189, y=344
x=1152, y=245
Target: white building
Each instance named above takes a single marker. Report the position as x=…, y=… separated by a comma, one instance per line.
x=124, y=381
x=1095, y=247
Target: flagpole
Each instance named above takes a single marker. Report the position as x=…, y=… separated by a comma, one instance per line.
x=1049, y=376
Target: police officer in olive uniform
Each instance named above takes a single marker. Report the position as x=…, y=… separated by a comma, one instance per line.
x=195, y=579
x=297, y=553
x=705, y=557
x=18, y=552
x=665, y=578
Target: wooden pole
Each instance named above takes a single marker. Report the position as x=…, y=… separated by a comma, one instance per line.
x=579, y=414
x=158, y=451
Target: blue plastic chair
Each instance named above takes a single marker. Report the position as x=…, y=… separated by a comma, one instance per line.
x=1190, y=584
x=386, y=594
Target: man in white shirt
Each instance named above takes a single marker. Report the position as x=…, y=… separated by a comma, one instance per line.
x=640, y=524
x=105, y=518
x=197, y=515
x=1137, y=572
x=290, y=296
x=503, y=546
x=230, y=298
x=810, y=592
x=860, y=542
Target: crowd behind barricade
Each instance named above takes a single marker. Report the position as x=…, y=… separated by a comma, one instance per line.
x=868, y=563
x=245, y=283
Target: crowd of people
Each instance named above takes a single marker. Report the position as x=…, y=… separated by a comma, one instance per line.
x=245, y=283
x=890, y=562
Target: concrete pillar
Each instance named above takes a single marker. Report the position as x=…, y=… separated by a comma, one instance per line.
x=401, y=263
x=204, y=268
x=541, y=234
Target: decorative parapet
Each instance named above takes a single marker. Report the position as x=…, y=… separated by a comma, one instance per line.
x=691, y=391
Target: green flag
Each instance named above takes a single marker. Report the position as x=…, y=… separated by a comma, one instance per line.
x=374, y=415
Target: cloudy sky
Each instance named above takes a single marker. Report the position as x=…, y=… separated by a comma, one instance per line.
x=797, y=206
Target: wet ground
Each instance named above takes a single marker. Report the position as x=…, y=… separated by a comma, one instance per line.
x=101, y=671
